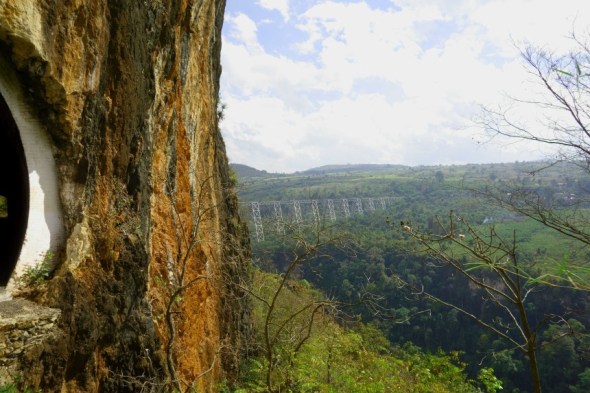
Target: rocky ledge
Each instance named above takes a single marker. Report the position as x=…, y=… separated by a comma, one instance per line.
x=24, y=325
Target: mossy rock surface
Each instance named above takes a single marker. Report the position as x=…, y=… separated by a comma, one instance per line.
x=3, y=207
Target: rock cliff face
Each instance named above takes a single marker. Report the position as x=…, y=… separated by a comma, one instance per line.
x=126, y=92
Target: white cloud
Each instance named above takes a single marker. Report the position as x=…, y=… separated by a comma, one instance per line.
x=393, y=85
x=279, y=5
x=243, y=30
x=541, y=22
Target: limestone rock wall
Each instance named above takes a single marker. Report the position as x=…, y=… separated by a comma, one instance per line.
x=145, y=281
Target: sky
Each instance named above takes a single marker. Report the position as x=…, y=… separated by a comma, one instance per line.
x=308, y=83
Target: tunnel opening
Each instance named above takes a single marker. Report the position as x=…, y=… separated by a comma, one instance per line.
x=14, y=193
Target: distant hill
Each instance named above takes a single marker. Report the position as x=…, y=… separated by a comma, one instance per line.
x=244, y=171
x=350, y=168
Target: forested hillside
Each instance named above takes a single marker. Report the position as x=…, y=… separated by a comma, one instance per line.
x=393, y=276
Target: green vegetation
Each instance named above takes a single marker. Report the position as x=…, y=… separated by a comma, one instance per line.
x=3, y=207
x=353, y=359
x=36, y=275
x=386, y=253
x=16, y=386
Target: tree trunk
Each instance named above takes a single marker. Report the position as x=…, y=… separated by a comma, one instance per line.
x=535, y=377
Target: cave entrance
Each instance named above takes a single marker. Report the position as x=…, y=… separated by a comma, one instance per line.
x=14, y=193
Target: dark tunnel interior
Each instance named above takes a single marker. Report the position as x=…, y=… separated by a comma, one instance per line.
x=14, y=187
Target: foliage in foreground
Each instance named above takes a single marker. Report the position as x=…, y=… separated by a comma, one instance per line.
x=354, y=359
x=36, y=275
x=16, y=386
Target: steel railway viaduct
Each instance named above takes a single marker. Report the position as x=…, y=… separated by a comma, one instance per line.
x=281, y=213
